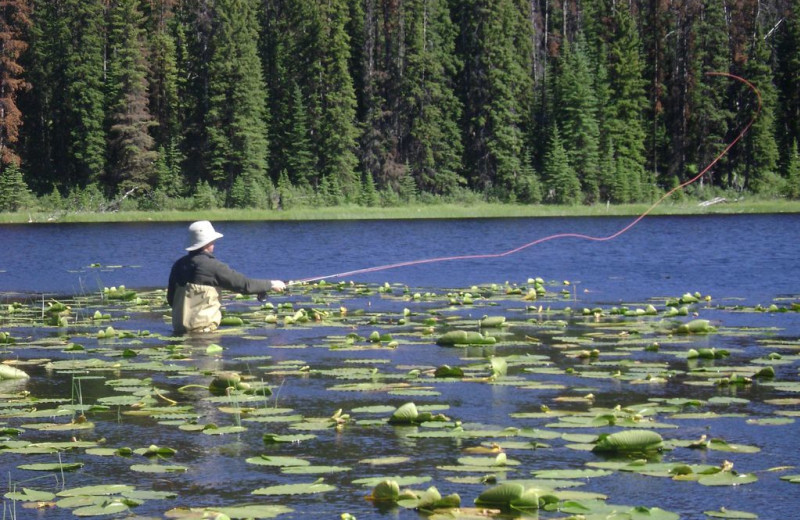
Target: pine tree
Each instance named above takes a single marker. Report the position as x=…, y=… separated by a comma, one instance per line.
x=371, y=142
x=710, y=117
x=66, y=145
x=561, y=183
x=497, y=91
x=14, y=193
x=627, y=105
x=132, y=158
x=236, y=120
x=757, y=160
x=299, y=158
x=335, y=129
x=577, y=117
x=788, y=82
x=82, y=113
x=164, y=81
x=14, y=26
x=369, y=194
x=430, y=133
x=191, y=31
x=793, y=173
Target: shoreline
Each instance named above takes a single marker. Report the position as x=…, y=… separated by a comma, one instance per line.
x=410, y=212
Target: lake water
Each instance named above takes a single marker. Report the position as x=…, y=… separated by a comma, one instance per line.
x=740, y=261
x=752, y=257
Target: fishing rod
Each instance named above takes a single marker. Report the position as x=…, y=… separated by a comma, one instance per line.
x=556, y=236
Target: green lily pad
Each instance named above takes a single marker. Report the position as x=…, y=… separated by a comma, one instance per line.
x=111, y=507
x=256, y=511
x=382, y=461
x=30, y=495
x=99, y=490
x=313, y=470
x=55, y=466
x=730, y=513
x=571, y=473
x=628, y=441
x=159, y=468
x=727, y=478
x=296, y=489
x=267, y=460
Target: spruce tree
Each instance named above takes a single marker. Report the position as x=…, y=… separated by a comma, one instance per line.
x=369, y=193
x=14, y=193
x=166, y=106
x=191, y=32
x=625, y=123
x=788, y=82
x=131, y=154
x=577, y=117
x=560, y=181
x=299, y=157
x=66, y=140
x=756, y=162
x=497, y=91
x=710, y=115
x=82, y=114
x=430, y=132
x=793, y=173
x=236, y=120
x=335, y=129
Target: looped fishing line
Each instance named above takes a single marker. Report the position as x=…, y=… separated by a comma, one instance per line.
x=566, y=235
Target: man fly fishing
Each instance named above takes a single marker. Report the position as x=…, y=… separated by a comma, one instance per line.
x=196, y=279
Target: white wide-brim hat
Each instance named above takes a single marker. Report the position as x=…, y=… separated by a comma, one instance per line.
x=201, y=233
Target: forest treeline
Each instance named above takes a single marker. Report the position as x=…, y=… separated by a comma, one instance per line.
x=192, y=104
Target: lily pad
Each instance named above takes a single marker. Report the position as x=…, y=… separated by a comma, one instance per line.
x=307, y=488
x=730, y=513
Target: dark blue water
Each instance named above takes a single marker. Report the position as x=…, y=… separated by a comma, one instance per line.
x=736, y=259
x=753, y=256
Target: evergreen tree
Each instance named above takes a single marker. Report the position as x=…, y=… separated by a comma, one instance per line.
x=625, y=123
x=788, y=82
x=168, y=174
x=192, y=28
x=656, y=36
x=756, y=161
x=236, y=119
x=561, y=183
x=529, y=187
x=14, y=26
x=433, y=145
x=496, y=88
x=793, y=173
x=577, y=117
x=132, y=158
x=607, y=152
x=165, y=103
x=372, y=141
x=65, y=116
x=299, y=157
x=335, y=129
x=282, y=61
x=14, y=193
x=710, y=117
x=369, y=194
x=82, y=113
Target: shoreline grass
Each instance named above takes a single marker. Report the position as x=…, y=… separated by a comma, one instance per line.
x=419, y=211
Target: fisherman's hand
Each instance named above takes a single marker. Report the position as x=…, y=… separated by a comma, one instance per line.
x=277, y=286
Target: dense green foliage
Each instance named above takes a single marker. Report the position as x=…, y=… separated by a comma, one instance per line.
x=197, y=104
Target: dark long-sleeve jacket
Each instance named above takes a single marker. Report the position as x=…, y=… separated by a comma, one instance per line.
x=193, y=291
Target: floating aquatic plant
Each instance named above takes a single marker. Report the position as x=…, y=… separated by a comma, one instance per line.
x=536, y=387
